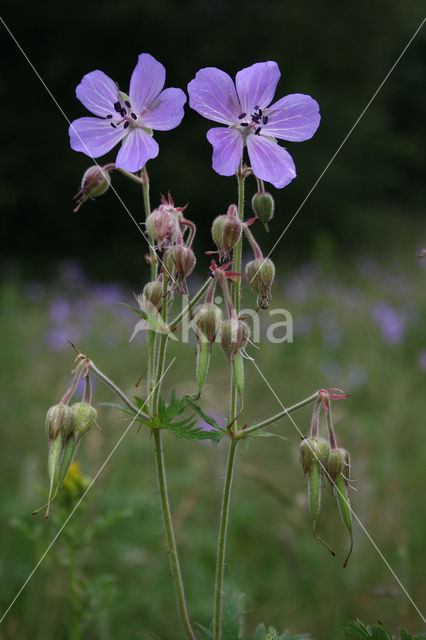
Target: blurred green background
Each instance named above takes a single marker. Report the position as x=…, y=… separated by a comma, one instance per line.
x=347, y=271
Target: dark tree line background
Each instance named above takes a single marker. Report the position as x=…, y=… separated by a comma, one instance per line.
x=337, y=52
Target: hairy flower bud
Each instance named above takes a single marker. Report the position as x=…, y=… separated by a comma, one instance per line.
x=180, y=261
x=234, y=337
x=263, y=206
x=314, y=449
x=59, y=419
x=226, y=231
x=208, y=318
x=152, y=295
x=260, y=274
x=95, y=182
x=84, y=416
x=163, y=225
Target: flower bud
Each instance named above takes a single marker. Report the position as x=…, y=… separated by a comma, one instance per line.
x=180, y=260
x=314, y=449
x=163, y=225
x=234, y=337
x=226, y=231
x=336, y=463
x=84, y=416
x=59, y=419
x=95, y=182
x=152, y=295
x=208, y=318
x=263, y=206
x=260, y=274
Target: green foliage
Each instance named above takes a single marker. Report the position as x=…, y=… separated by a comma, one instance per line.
x=272, y=634
x=359, y=631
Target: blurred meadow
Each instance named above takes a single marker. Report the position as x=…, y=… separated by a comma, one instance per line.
x=347, y=270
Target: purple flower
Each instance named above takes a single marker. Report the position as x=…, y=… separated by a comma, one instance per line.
x=130, y=118
x=392, y=323
x=244, y=107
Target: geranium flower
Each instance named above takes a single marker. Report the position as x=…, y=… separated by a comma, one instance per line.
x=129, y=118
x=244, y=107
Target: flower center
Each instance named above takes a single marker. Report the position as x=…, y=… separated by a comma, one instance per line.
x=252, y=123
x=123, y=111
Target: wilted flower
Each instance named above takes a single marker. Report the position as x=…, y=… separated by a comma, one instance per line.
x=130, y=118
x=244, y=108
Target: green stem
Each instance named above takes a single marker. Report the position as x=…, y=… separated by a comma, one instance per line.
x=168, y=524
x=221, y=546
x=118, y=392
x=278, y=416
x=147, y=206
x=131, y=176
x=190, y=304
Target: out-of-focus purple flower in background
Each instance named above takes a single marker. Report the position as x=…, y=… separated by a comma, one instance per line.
x=391, y=322
x=421, y=360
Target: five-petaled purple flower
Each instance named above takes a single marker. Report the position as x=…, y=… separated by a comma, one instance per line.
x=130, y=118
x=244, y=107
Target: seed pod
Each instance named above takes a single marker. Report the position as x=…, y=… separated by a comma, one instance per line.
x=314, y=449
x=84, y=416
x=152, y=295
x=203, y=360
x=95, y=182
x=263, y=206
x=260, y=275
x=53, y=463
x=341, y=494
x=208, y=318
x=314, y=493
x=59, y=418
x=180, y=261
x=163, y=225
x=336, y=463
x=234, y=337
x=226, y=231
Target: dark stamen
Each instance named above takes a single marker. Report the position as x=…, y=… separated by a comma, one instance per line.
x=241, y=116
x=123, y=112
x=255, y=118
x=265, y=119
x=127, y=103
x=244, y=124
x=260, y=111
x=257, y=107
x=134, y=116
x=126, y=124
x=109, y=116
x=113, y=125
x=256, y=133
x=117, y=106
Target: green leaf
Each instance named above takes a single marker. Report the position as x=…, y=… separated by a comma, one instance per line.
x=140, y=313
x=209, y=419
x=268, y=434
x=357, y=631
x=260, y=632
x=231, y=618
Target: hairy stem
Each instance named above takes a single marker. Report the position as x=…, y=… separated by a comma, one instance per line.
x=190, y=304
x=221, y=545
x=279, y=416
x=118, y=392
x=224, y=515
x=154, y=396
x=168, y=525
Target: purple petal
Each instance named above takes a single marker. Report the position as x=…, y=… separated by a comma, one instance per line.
x=147, y=81
x=227, y=149
x=212, y=94
x=295, y=117
x=138, y=147
x=97, y=92
x=94, y=136
x=166, y=112
x=270, y=162
x=256, y=85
